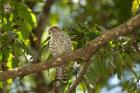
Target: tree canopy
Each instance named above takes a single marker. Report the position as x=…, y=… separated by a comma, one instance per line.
x=105, y=55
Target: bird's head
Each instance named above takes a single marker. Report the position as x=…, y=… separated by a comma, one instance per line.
x=54, y=29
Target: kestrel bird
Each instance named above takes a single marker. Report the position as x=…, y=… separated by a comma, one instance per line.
x=59, y=44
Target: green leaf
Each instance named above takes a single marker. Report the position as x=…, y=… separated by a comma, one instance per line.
x=26, y=14
x=9, y=81
x=9, y=63
x=24, y=29
x=5, y=54
x=135, y=6
x=1, y=84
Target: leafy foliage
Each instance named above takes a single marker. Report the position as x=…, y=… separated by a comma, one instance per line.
x=83, y=20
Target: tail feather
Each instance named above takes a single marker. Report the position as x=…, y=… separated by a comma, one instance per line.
x=61, y=74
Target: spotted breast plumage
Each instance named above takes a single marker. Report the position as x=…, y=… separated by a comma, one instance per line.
x=59, y=44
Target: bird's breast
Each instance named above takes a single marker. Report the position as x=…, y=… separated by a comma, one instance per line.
x=59, y=46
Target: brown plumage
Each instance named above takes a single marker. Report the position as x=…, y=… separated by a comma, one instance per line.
x=59, y=44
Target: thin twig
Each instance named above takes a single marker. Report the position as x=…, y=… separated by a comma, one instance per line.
x=80, y=76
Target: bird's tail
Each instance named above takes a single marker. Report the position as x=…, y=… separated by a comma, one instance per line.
x=61, y=78
x=61, y=74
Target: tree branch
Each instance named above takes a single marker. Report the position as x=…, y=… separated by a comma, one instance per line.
x=84, y=53
x=80, y=76
x=42, y=23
